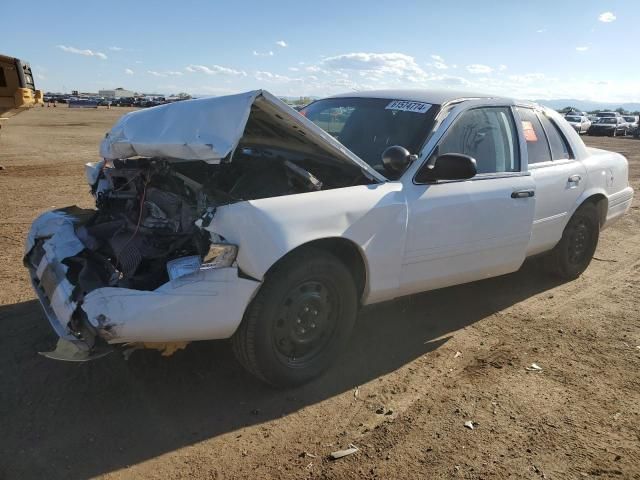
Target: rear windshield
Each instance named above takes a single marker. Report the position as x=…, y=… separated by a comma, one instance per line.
x=630, y=119
x=607, y=120
x=367, y=126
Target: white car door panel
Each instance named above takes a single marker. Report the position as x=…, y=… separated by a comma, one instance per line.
x=461, y=231
x=464, y=231
x=559, y=179
x=558, y=186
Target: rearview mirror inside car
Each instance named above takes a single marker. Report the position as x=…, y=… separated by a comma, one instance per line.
x=449, y=166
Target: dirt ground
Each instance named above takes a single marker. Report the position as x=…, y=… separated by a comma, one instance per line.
x=199, y=415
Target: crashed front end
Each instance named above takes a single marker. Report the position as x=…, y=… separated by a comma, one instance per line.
x=144, y=266
x=91, y=303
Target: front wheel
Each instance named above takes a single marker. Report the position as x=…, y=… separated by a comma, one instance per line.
x=299, y=320
x=573, y=253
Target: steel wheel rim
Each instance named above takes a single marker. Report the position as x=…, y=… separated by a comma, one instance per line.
x=306, y=322
x=579, y=241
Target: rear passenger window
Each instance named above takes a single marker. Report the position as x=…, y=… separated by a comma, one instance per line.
x=558, y=144
x=537, y=146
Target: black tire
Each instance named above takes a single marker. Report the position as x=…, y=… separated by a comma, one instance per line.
x=573, y=253
x=299, y=320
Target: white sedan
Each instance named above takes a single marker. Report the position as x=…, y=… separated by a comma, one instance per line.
x=580, y=123
x=238, y=217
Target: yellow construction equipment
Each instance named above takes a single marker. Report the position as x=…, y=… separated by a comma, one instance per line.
x=17, y=89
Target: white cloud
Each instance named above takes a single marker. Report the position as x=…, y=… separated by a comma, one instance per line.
x=439, y=63
x=582, y=49
x=262, y=54
x=128, y=71
x=540, y=30
x=273, y=77
x=606, y=17
x=281, y=43
x=215, y=70
x=477, y=68
x=402, y=66
x=502, y=68
x=527, y=78
x=86, y=52
x=115, y=49
x=168, y=73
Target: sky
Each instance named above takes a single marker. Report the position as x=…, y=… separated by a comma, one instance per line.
x=535, y=49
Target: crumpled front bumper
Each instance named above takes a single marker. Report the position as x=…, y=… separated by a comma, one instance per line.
x=207, y=304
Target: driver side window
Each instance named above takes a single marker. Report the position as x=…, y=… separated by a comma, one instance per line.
x=487, y=134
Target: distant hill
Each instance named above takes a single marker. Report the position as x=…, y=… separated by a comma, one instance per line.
x=587, y=106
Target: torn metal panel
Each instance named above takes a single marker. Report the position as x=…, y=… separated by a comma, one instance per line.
x=210, y=129
x=205, y=305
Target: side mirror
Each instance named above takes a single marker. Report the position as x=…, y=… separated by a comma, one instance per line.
x=396, y=159
x=449, y=166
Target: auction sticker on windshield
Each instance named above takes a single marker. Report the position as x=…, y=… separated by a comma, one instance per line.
x=408, y=106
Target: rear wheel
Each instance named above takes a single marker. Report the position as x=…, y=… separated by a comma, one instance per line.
x=573, y=253
x=299, y=320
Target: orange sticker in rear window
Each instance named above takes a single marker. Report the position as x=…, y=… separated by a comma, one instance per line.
x=529, y=132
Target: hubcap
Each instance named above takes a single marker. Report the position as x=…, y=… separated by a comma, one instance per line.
x=579, y=242
x=305, y=323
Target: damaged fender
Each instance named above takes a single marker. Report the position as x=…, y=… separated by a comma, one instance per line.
x=267, y=229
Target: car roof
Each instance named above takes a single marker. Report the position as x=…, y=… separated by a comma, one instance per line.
x=434, y=97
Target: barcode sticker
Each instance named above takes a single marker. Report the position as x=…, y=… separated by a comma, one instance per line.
x=408, y=106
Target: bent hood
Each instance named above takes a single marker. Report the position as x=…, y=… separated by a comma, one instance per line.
x=210, y=129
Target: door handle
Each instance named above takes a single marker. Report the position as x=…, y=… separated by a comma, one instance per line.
x=575, y=179
x=522, y=194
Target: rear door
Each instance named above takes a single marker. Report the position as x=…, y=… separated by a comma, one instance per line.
x=558, y=176
x=461, y=231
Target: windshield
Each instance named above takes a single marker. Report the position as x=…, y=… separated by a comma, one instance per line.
x=573, y=119
x=367, y=126
x=607, y=120
x=606, y=114
x=630, y=119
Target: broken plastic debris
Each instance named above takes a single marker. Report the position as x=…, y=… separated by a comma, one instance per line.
x=458, y=354
x=469, y=424
x=343, y=453
x=534, y=367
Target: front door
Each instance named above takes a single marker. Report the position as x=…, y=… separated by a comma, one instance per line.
x=461, y=231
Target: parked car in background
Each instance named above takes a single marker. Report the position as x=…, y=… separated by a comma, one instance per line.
x=632, y=122
x=237, y=217
x=611, y=126
x=580, y=123
x=575, y=113
x=607, y=114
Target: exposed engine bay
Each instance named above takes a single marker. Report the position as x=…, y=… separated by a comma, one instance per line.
x=147, y=209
